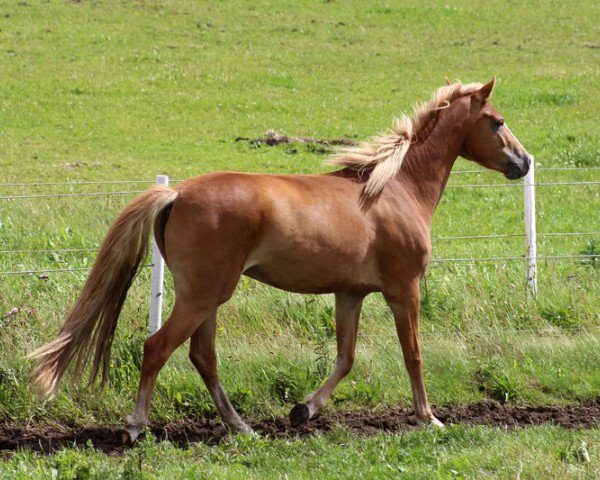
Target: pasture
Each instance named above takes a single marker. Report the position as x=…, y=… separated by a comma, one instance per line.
x=109, y=91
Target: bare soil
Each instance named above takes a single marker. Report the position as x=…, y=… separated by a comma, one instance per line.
x=363, y=422
x=273, y=138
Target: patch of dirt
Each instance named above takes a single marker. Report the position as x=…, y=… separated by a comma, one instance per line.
x=272, y=138
x=362, y=422
x=72, y=165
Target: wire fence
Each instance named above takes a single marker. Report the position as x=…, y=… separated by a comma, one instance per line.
x=53, y=271
x=591, y=256
x=479, y=171
x=132, y=192
x=434, y=239
x=151, y=181
x=57, y=195
x=510, y=235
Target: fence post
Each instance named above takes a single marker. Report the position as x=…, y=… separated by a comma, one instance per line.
x=158, y=274
x=530, y=230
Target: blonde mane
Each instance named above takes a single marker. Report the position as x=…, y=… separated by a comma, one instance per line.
x=383, y=155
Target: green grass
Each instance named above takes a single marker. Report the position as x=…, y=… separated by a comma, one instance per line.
x=266, y=378
x=114, y=90
x=457, y=452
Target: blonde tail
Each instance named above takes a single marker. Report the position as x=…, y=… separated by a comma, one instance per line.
x=90, y=326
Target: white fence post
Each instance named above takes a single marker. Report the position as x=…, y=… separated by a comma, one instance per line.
x=530, y=230
x=158, y=274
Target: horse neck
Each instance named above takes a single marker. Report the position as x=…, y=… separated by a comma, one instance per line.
x=428, y=163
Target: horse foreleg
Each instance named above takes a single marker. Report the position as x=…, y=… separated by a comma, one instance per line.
x=183, y=321
x=204, y=358
x=405, y=307
x=347, y=313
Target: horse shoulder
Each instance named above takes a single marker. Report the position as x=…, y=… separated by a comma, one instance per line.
x=403, y=240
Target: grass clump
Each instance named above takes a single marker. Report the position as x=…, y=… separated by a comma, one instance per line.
x=592, y=251
x=496, y=382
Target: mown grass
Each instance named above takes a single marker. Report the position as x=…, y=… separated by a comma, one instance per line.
x=110, y=90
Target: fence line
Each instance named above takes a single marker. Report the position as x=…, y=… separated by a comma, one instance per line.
x=433, y=260
x=157, y=274
x=546, y=169
x=58, y=250
x=75, y=183
x=149, y=181
x=502, y=259
x=52, y=270
x=54, y=195
x=507, y=235
x=513, y=185
x=130, y=192
x=434, y=239
x=49, y=270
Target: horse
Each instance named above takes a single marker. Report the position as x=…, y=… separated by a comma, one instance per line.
x=362, y=228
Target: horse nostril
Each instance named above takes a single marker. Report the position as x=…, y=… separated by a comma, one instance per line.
x=530, y=160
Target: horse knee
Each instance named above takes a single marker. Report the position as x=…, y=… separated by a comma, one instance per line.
x=413, y=363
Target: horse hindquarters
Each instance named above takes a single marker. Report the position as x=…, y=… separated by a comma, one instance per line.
x=205, y=253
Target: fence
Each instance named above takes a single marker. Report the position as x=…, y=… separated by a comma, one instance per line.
x=157, y=265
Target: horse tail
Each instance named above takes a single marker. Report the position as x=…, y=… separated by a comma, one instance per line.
x=89, y=328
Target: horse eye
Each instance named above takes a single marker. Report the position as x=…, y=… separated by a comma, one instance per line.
x=497, y=123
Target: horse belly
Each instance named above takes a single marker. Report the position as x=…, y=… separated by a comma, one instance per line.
x=304, y=271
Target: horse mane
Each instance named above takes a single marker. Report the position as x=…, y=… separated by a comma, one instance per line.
x=383, y=154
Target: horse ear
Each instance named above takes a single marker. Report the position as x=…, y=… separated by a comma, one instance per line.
x=485, y=92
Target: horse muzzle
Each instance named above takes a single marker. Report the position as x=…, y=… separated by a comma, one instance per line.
x=518, y=166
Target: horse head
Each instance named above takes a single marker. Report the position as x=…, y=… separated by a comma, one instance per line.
x=490, y=142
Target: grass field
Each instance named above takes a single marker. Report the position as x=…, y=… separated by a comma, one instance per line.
x=116, y=91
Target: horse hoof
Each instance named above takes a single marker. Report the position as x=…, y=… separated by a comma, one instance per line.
x=129, y=436
x=244, y=430
x=299, y=414
x=431, y=422
x=125, y=438
x=434, y=422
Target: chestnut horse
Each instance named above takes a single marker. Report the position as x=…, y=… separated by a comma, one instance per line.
x=362, y=229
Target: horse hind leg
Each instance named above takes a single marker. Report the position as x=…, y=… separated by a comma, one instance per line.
x=347, y=314
x=204, y=358
x=183, y=321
